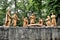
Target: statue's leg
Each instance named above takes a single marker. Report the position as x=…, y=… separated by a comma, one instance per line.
x=14, y=23
x=6, y=24
x=9, y=23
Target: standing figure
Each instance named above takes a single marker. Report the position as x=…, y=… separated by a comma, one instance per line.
x=8, y=18
x=25, y=22
x=32, y=19
x=48, y=21
x=53, y=19
x=40, y=22
x=15, y=19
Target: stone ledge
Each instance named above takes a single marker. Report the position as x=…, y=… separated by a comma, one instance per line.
x=21, y=33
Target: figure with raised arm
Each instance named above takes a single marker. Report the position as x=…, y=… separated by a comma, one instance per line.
x=8, y=18
x=15, y=19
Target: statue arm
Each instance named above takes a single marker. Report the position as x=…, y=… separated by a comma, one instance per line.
x=9, y=15
x=27, y=22
x=17, y=17
x=34, y=17
x=30, y=17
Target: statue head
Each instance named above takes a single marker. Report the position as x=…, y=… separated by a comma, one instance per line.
x=32, y=14
x=26, y=18
x=15, y=13
x=52, y=13
x=48, y=16
x=9, y=11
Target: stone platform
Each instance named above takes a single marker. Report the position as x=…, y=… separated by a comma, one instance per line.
x=33, y=33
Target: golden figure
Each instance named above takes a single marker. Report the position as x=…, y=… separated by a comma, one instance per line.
x=25, y=22
x=53, y=19
x=15, y=19
x=32, y=19
x=40, y=22
x=8, y=18
x=48, y=21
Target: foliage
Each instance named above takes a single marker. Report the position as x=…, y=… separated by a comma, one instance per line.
x=3, y=6
x=24, y=8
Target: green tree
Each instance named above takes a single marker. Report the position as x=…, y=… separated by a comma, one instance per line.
x=41, y=8
x=3, y=6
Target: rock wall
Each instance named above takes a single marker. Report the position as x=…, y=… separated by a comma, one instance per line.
x=37, y=33
x=4, y=33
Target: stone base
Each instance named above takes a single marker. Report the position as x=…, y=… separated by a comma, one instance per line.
x=37, y=33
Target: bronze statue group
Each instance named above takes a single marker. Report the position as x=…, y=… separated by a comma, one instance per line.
x=50, y=20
